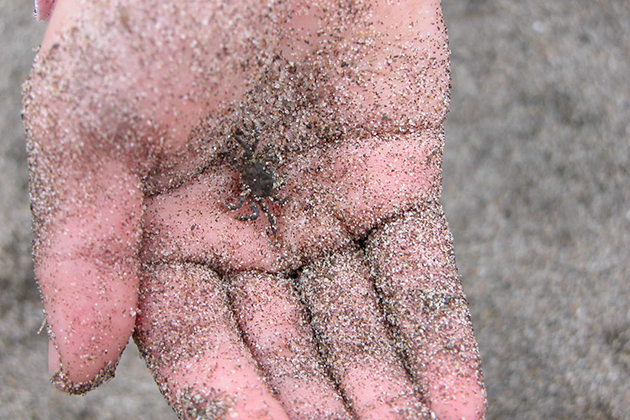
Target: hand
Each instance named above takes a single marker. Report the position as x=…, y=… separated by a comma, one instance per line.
x=341, y=299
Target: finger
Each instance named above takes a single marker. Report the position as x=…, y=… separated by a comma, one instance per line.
x=87, y=209
x=353, y=337
x=189, y=339
x=278, y=335
x=415, y=272
x=86, y=226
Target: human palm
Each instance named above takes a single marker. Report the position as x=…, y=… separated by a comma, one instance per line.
x=341, y=299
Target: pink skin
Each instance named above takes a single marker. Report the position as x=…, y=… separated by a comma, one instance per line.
x=128, y=225
x=43, y=9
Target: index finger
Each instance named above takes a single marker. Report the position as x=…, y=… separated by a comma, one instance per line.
x=415, y=272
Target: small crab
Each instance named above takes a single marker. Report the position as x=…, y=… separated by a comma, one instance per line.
x=258, y=181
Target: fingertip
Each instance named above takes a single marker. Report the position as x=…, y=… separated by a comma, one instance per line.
x=88, y=329
x=79, y=369
x=465, y=401
x=63, y=382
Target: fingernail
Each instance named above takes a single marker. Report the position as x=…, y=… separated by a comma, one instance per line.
x=54, y=359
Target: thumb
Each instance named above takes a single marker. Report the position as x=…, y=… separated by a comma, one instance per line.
x=87, y=209
x=86, y=241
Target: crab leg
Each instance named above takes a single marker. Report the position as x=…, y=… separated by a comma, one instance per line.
x=248, y=149
x=272, y=219
x=237, y=205
x=255, y=211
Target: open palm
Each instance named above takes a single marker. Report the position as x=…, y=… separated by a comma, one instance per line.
x=254, y=191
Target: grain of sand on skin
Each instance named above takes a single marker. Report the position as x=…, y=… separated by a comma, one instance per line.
x=306, y=101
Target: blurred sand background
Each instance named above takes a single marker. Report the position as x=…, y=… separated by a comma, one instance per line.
x=536, y=190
